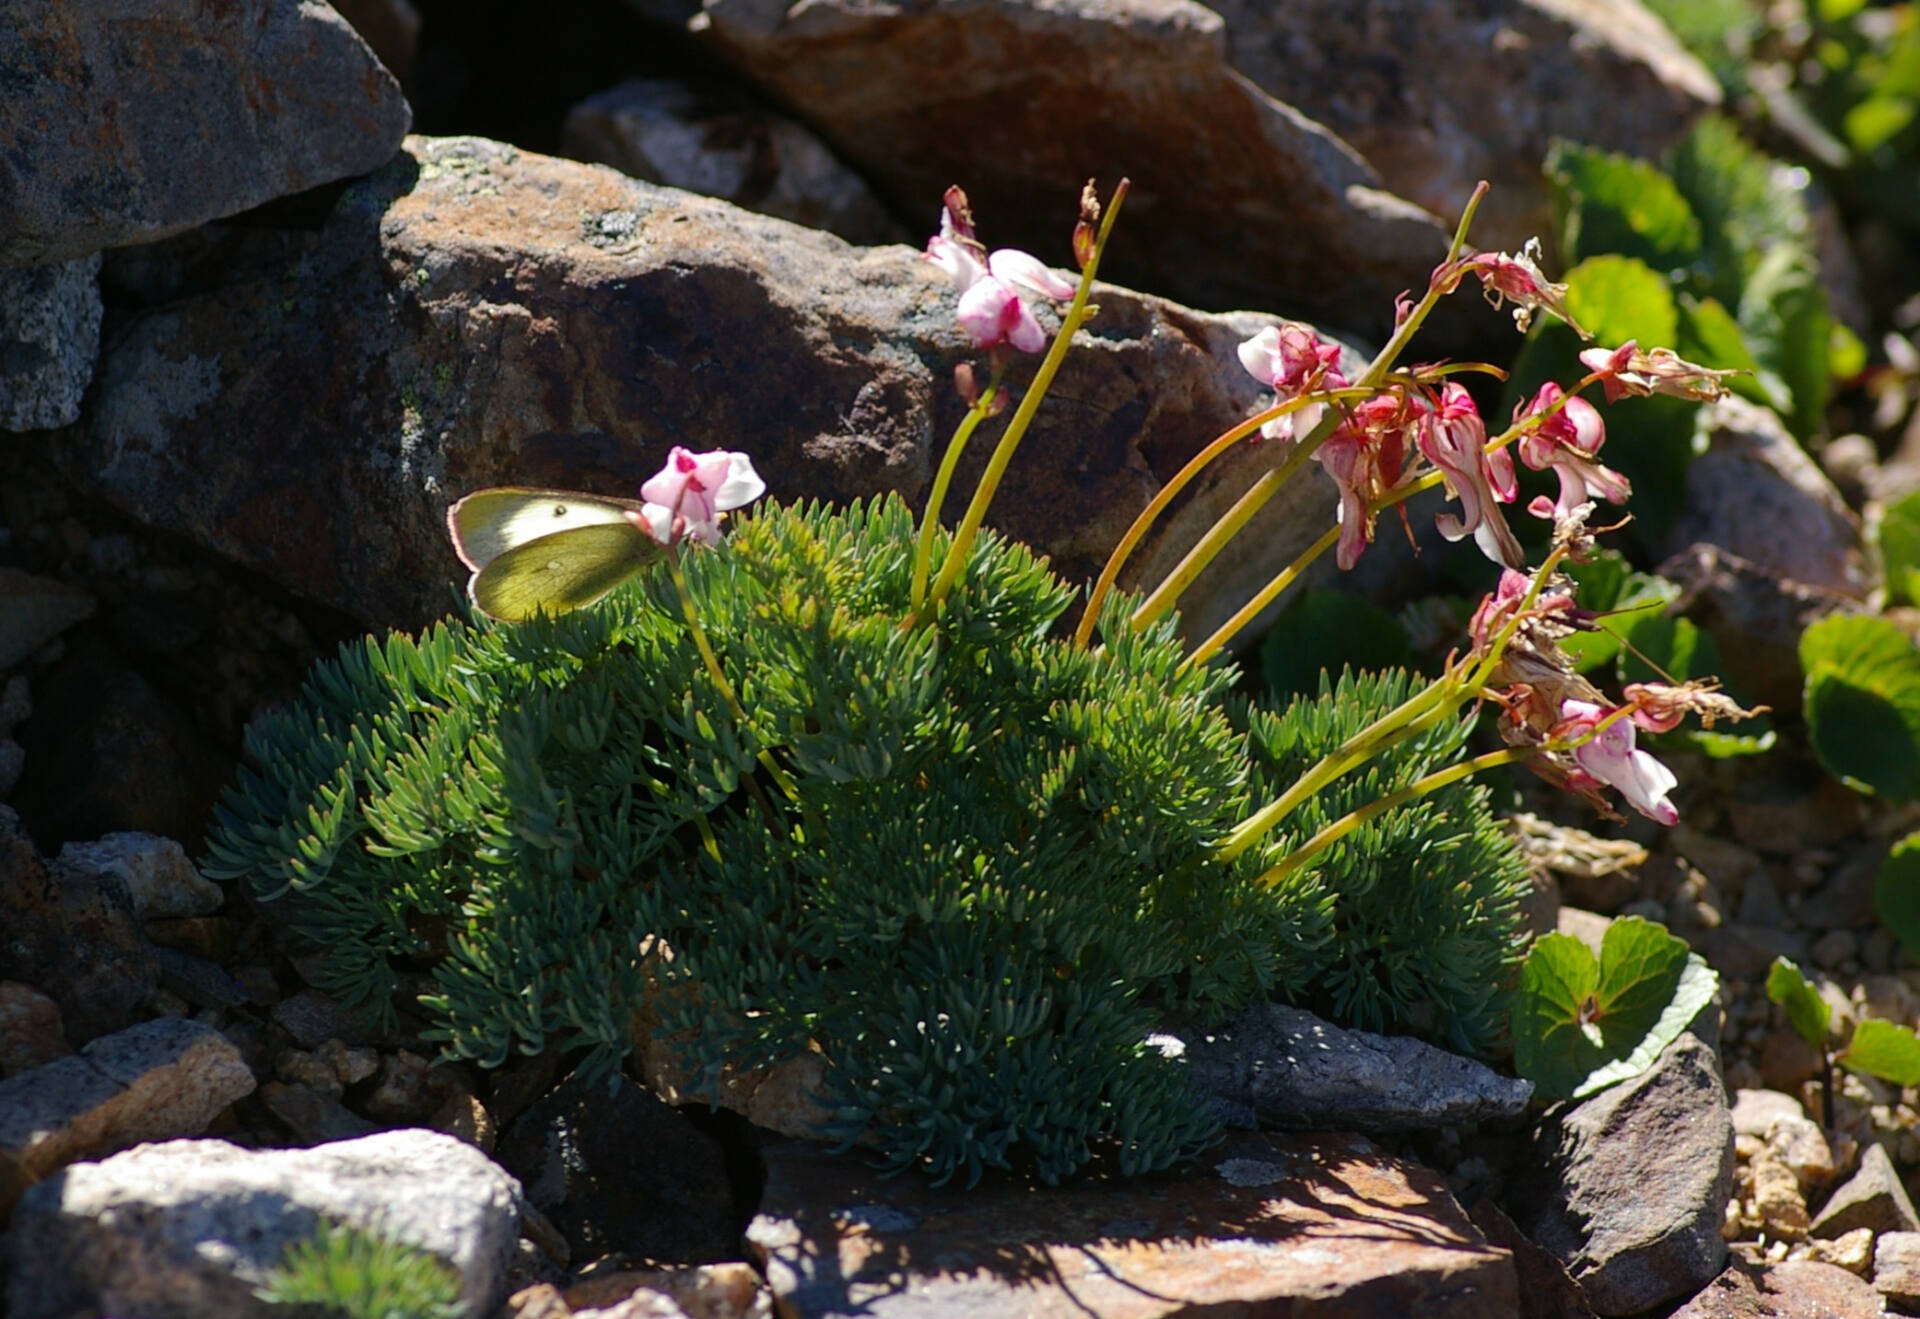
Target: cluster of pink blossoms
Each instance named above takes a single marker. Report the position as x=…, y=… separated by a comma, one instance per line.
x=693, y=492
x=992, y=311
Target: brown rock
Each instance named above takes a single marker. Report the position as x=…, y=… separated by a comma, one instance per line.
x=170, y=114
x=1794, y=1290
x=710, y=138
x=1873, y=1197
x=1896, y=1268
x=30, y=1032
x=313, y=1116
x=390, y=27
x=500, y=317
x=540, y=1301
x=73, y=937
x=1547, y=1290
x=1515, y=76
x=1268, y=1225
x=35, y=610
x=705, y=1291
x=1629, y=1187
x=153, y=1081
x=1777, y=1199
x=918, y=97
x=1786, y=1061
x=1755, y=493
x=466, y=1117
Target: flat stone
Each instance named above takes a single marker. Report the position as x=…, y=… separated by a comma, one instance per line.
x=1873, y=1197
x=35, y=610
x=1268, y=1224
x=73, y=937
x=49, y=337
x=1629, y=1187
x=30, y=1030
x=1547, y=1290
x=1802, y=1289
x=170, y=115
x=190, y=1228
x=1755, y=1111
x=1293, y=1070
x=497, y=317
x=619, y=1172
x=159, y=877
x=1756, y=493
x=313, y=1116
x=154, y=1081
x=1896, y=1267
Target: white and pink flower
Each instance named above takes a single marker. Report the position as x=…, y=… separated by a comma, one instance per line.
x=992, y=310
x=689, y=496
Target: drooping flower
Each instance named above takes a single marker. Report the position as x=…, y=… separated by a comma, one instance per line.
x=1364, y=456
x=1609, y=755
x=1515, y=278
x=1454, y=440
x=1626, y=371
x=690, y=495
x=1567, y=441
x=992, y=311
x=1293, y=360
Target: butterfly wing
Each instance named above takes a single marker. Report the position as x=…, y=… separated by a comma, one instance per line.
x=488, y=523
x=565, y=570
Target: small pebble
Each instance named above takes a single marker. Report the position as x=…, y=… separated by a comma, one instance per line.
x=1852, y=1251
x=1834, y=948
x=1777, y=1199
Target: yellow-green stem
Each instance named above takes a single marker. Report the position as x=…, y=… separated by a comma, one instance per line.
x=930, y=521
x=1268, y=593
x=1083, y=635
x=707, y=839
x=1347, y=823
x=1168, y=593
x=773, y=767
x=963, y=536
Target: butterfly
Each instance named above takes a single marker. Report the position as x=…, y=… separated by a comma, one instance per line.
x=537, y=550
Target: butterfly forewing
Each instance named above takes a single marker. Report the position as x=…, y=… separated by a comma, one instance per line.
x=488, y=523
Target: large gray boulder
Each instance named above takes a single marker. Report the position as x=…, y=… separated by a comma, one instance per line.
x=309, y=403
x=128, y=120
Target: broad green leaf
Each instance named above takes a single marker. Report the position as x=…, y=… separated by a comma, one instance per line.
x=1622, y=597
x=1877, y=120
x=1807, y=1012
x=1710, y=336
x=1746, y=205
x=1846, y=355
x=1896, y=893
x=1581, y=1025
x=1900, y=548
x=1618, y=298
x=1612, y=203
x=1330, y=630
x=1880, y=1048
x=1661, y=649
x=1783, y=315
x=1862, y=702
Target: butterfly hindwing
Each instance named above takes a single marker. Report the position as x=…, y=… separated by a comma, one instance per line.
x=565, y=570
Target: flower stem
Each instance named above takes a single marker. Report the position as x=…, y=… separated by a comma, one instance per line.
x=765, y=756
x=930, y=521
x=963, y=537
x=1347, y=823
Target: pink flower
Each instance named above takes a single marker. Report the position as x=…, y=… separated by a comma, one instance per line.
x=1610, y=757
x=690, y=495
x=1455, y=441
x=1292, y=360
x=1628, y=371
x=1364, y=457
x=992, y=311
x=1567, y=441
x=1517, y=279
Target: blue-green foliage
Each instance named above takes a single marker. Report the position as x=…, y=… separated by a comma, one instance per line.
x=996, y=877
